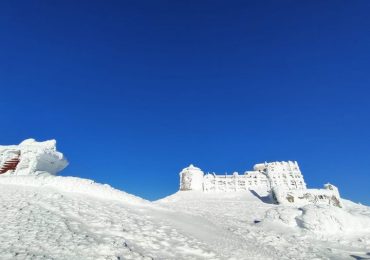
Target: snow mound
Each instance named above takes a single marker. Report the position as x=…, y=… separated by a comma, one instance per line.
x=73, y=185
x=330, y=220
x=319, y=219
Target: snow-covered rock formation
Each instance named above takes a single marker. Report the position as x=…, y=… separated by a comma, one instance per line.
x=327, y=196
x=31, y=157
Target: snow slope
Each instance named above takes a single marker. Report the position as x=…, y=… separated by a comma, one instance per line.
x=271, y=231
x=49, y=217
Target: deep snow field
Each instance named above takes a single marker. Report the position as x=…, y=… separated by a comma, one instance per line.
x=49, y=217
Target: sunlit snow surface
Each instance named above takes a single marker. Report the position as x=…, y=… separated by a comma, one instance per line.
x=48, y=217
x=266, y=231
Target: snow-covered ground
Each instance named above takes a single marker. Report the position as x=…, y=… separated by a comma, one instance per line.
x=261, y=230
x=49, y=217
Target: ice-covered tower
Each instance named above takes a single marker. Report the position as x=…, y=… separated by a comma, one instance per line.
x=286, y=175
x=191, y=178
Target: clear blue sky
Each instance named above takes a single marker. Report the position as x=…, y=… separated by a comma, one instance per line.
x=134, y=91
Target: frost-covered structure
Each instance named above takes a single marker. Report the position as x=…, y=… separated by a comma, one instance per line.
x=31, y=157
x=282, y=174
x=283, y=180
x=329, y=195
x=264, y=176
x=191, y=178
x=235, y=182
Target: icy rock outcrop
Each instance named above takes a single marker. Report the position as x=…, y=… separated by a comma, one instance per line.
x=327, y=196
x=31, y=157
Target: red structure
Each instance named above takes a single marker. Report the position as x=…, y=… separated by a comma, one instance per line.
x=10, y=164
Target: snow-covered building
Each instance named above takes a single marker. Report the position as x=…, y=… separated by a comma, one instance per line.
x=282, y=174
x=191, y=178
x=283, y=180
x=235, y=182
x=31, y=157
x=264, y=176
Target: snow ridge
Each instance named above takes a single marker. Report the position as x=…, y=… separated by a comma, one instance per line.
x=73, y=185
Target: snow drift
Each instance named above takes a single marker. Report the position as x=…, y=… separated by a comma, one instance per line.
x=72, y=185
x=321, y=219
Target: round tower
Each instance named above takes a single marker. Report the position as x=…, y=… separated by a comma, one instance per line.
x=191, y=178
